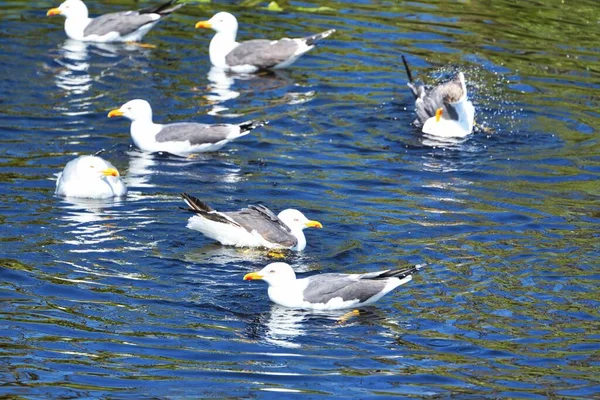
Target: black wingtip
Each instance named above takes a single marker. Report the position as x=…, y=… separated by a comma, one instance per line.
x=195, y=203
x=162, y=9
x=312, y=39
x=407, y=68
x=250, y=125
x=403, y=273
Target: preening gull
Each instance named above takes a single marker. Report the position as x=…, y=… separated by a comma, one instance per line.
x=329, y=291
x=181, y=138
x=90, y=177
x=125, y=26
x=444, y=110
x=253, y=55
x=254, y=226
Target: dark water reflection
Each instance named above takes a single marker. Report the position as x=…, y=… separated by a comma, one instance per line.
x=118, y=298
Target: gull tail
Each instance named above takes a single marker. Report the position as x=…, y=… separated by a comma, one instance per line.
x=313, y=39
x=163, y=9
x=417, y=90
x=195, y=204
x=246, y=127
x=407, y=68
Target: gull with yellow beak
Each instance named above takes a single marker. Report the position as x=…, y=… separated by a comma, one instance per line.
x=254, y=226
x=253, y=55
x=444, y=110
x=90, y=177
x=181, y=138
x=329, y=291
x=125, y=26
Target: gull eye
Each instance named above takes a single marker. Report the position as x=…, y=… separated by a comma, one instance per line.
x=272, y=271
x=296, y=219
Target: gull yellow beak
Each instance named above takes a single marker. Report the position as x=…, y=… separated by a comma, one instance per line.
x=313, y=224
x=110, y=172
x=53, y=11
x=115, y=113
x=438, y=114
x=252, y=276
x=203, y=24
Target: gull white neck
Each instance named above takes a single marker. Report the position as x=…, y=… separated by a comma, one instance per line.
x=301, y=239
x=74, y=27
x=221, y=45
x=143, y=133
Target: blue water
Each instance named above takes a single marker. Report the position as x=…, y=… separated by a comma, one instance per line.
x=118, y=299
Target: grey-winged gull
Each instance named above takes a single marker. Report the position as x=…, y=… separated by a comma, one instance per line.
x=329, y=291
x=181, y=138
x=124, y=26
x=253, y=55
x=254, y=226
x=90, y=177
x=444, y=110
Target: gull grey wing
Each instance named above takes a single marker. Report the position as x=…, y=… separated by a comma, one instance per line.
x=262, y=53
x=266, y=223
x=195, y=133
x=428, y=103
x=121, y=22
x=324, y=287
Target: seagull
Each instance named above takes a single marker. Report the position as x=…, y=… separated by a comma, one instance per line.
x=254, y=226
x=253, y=55
x=329, y=291
x=182, y=138
x=90, y=177
x=443, y=111
x=125, y=26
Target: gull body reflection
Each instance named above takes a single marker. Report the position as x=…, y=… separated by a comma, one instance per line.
x=96, y=225
x=221, y=88
x=140, y=169
x=90, y=222
x=74, y=77
x=143, y=166
x=285, y=327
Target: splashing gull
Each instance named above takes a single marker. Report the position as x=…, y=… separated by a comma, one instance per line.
x=90, y=177
x=181, y=138
x=125, y=26
x=253, y=55
x=329, y=291
x=443, y=111
x=254, y=226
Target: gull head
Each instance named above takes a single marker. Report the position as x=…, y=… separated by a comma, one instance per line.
x=295, y=220
x=455, y=90
x=135, y=110
x=275, y=274
x=91, y=167
x=222, y=22
x=70, y=9
x=90, y=177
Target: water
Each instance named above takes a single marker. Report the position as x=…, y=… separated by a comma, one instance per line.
x=119, y=299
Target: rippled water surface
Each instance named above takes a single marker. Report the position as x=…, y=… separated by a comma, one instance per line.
x=118, y=299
